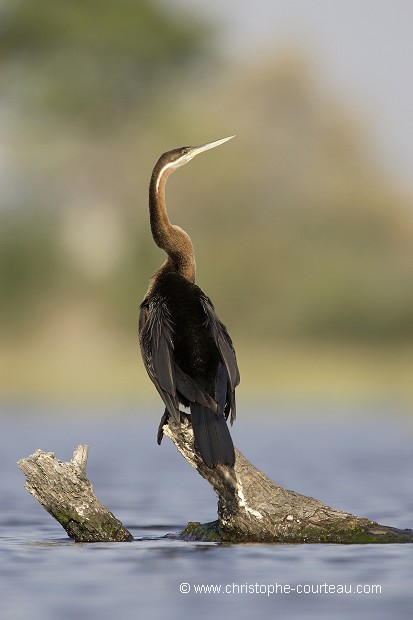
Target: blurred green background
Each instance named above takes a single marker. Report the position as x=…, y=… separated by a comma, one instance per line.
x=303, y=234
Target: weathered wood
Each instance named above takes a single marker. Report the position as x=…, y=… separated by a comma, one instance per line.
x=65, y=492
x=251, y=508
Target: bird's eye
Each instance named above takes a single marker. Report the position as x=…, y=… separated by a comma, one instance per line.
x=185, y=151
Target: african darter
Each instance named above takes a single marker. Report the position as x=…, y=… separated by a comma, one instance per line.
x=187, y=351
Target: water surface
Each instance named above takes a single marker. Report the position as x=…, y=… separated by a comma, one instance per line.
x=353, y=461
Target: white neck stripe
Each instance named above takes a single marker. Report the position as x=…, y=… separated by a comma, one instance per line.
x=171, y=164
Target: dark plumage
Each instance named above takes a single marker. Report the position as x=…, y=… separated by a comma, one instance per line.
x=187, y=351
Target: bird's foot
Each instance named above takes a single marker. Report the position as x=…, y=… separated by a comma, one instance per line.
x=184, y=416
x=164, y=420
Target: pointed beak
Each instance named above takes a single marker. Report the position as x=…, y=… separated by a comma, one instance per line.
x=196, y=150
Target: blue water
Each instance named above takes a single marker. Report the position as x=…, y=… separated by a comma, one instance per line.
x=350, y=460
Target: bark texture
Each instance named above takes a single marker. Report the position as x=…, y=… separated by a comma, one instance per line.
x=65, y=492
x=251, y=508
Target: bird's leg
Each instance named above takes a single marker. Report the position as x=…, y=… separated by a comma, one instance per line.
x=164, y=420
x=184, y=416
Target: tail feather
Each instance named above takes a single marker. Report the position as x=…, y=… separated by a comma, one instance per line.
x=212, y=437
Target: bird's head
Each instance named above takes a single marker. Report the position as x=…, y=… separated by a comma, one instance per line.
x=171, y=160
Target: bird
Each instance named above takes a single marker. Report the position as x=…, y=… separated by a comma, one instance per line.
x=186, y=349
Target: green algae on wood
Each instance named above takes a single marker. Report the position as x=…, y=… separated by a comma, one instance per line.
x=65, y=492
x=252, y=508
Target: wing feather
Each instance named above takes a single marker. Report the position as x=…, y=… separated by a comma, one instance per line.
x=222, y=340
x=156, y=341
x=226, y=350
x=192, y=391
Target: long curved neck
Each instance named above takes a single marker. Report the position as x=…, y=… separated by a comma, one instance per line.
x=175, y=241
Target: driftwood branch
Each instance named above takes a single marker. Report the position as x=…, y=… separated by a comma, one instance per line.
x=65, y=492
x=251, y=508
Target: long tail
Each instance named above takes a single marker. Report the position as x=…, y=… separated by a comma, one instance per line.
x=212, y=437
